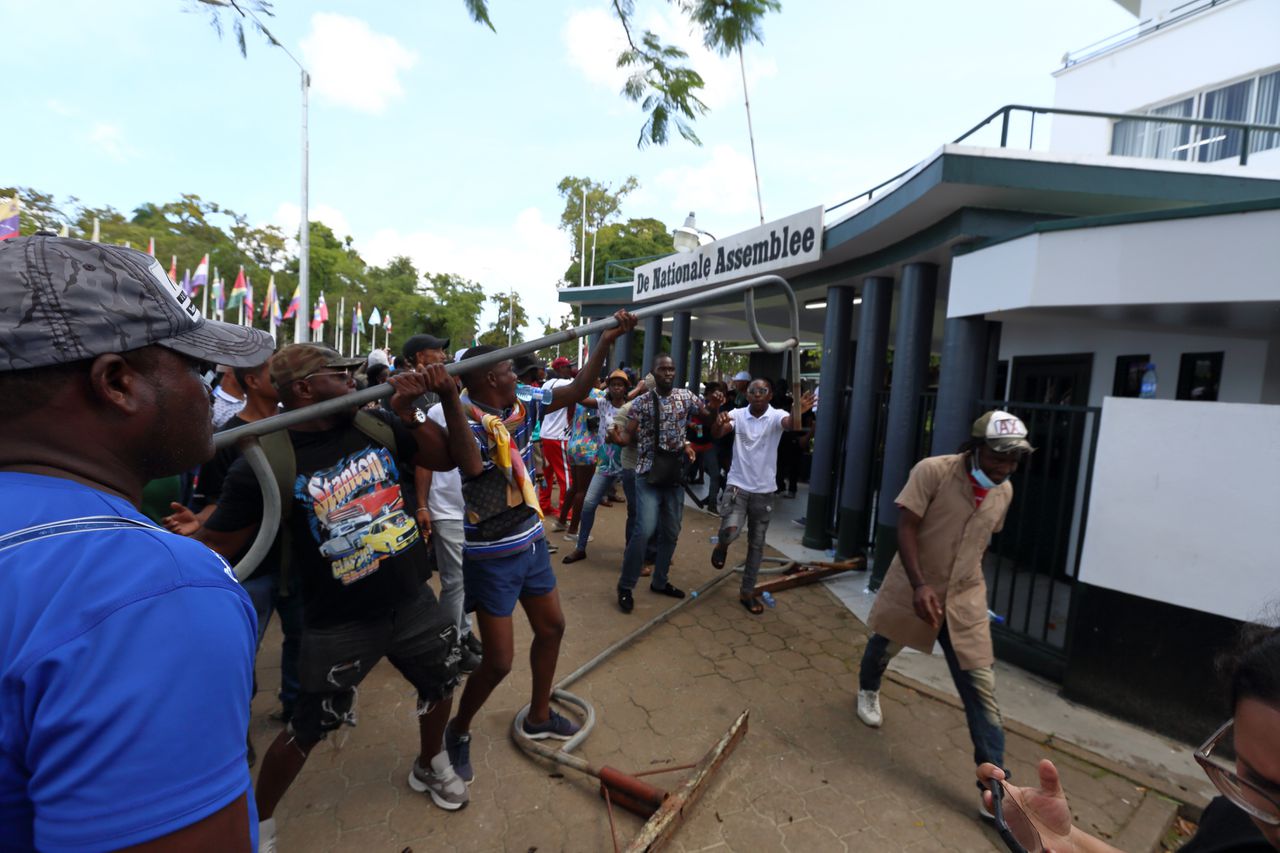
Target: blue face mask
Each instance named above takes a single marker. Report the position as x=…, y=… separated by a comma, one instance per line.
x=981, y=476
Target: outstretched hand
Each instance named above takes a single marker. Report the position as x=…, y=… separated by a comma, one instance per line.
x=183, y=521
x=807, y=400
x=1046, y=806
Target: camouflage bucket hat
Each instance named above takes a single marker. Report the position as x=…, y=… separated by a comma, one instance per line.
x=64, y=300
x=298, y=361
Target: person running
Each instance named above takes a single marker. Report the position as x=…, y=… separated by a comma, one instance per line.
x=608, y=460
x=126, y=654
x=935, y=590
x=505, y=560
x=748, y=494
x=360, y=558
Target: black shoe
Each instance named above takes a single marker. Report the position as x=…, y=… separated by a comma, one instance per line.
x=472, y=641
x=626, y=603
x=674, y=592
x=470, y=660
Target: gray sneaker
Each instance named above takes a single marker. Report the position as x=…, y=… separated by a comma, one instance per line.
x=446, y=789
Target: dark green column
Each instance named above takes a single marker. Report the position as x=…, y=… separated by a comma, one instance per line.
x=910, y=371
x=652, y=343
x=680, y=346
x=960, y=380
x=860, y=431
x=621, y=352
x=695, y=366
x=836, y=349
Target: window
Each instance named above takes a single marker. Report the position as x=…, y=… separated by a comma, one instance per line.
x=1255, y=100
x=1128, y=379
x=1199, y=376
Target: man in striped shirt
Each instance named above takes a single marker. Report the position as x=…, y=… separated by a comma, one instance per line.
x=504, y=557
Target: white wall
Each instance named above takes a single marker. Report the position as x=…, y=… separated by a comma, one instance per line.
x=1243, y=362
x=1184, y=505
x=1214, y=46
x=1227, y=258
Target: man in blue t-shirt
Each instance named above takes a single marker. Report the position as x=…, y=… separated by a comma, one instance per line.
x=126, y=652
x=504, y=558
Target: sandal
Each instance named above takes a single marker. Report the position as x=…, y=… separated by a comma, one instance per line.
x=753, y=605
x=573, y=556
x=718, y=555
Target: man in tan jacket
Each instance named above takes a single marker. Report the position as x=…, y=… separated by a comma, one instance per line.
x=935, y=589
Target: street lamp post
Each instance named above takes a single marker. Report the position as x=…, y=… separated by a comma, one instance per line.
x=302, y=330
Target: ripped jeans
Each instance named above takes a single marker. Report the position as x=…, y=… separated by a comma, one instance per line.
x=419, y=638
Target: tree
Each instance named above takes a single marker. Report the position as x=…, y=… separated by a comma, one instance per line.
x=635, y=238
x=455, y=304
x=39, y=211
x=666, y=89
x=511, y=319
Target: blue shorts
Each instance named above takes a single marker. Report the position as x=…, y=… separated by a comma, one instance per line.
x=494, y=585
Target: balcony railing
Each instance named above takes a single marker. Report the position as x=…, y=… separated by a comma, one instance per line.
x=1006, y=112
x=1148, y=27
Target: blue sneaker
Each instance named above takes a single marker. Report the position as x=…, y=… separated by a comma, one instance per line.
x=556, y=726
x=459, y=749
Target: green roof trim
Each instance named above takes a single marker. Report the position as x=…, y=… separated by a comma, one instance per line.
x=1193, y=212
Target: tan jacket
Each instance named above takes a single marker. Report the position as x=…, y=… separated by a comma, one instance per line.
x=953, y=537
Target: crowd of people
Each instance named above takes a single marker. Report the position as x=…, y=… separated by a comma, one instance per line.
x=127, y=644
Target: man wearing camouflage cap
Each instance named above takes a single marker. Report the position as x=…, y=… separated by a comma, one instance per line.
x=126, y=652
x=935, y=589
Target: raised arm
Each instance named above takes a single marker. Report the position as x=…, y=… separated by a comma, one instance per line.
x=577, y=390
x=437, y=450
x=806, y=405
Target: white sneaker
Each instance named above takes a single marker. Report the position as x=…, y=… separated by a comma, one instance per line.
x=869, y=708
x=446, y=788
x=267, y=836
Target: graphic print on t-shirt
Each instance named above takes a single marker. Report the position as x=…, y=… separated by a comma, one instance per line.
x=356, y=513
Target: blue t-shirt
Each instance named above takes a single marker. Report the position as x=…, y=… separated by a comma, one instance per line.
x=126, y=670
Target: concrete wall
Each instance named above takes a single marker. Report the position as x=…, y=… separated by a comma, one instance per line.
x=1243, y=361
x=1229, y=258
x=1215, y=46
x=1184, y=505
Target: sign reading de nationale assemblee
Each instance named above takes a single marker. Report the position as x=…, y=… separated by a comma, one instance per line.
x=786, y=242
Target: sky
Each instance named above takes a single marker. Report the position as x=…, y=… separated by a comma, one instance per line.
x=433, y=137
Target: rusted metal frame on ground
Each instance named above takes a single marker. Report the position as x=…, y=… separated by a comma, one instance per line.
x=807, y=573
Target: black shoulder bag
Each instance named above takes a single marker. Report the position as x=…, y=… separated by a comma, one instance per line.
x=668, y=465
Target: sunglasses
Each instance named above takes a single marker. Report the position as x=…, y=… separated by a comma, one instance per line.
x=1245, y=794
x=757, y=391
x=349, y=373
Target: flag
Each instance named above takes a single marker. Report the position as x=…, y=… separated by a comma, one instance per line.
x=386, y=324
x=186, y=282
x=238, y=290
x=173, y=269
x=201, y=278
x=356, y=320
x=97, y=234
x=271, y=307
x=320, y=314
x=8, y=217
x=248, y=301
x=295, y=303
x=64, y=231
x=220, y=297
x=375, y=318
x=151, y=246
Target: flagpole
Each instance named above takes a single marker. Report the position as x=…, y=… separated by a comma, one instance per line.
x=337, y=327
x=204, y=310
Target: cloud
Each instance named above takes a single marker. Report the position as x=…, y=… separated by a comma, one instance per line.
x=109, y=139
x=288, y=214
x=58, y=108
x=720, y=187
x=527, y=254
x=593, y=39
x=353, y=66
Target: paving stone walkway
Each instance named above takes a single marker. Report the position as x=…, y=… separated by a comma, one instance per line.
x=808, y=777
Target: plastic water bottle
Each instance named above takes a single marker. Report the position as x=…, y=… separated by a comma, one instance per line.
x=767, y=598
x=1148, y=388
x=995, y=617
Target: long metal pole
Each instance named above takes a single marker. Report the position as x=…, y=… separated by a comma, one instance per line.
x=301, y=330
x=750, y=134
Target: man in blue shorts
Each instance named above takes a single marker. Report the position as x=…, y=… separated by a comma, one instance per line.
x=505, y=556
x=126, y=652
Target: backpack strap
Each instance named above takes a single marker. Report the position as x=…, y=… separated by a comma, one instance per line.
x=376, y=428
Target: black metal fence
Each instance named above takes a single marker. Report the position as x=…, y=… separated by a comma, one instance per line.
x=1032, y=564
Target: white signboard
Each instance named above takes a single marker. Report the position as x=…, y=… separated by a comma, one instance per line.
x=792, y=240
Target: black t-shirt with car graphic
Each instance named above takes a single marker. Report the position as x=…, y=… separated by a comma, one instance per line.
x=355, y=545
